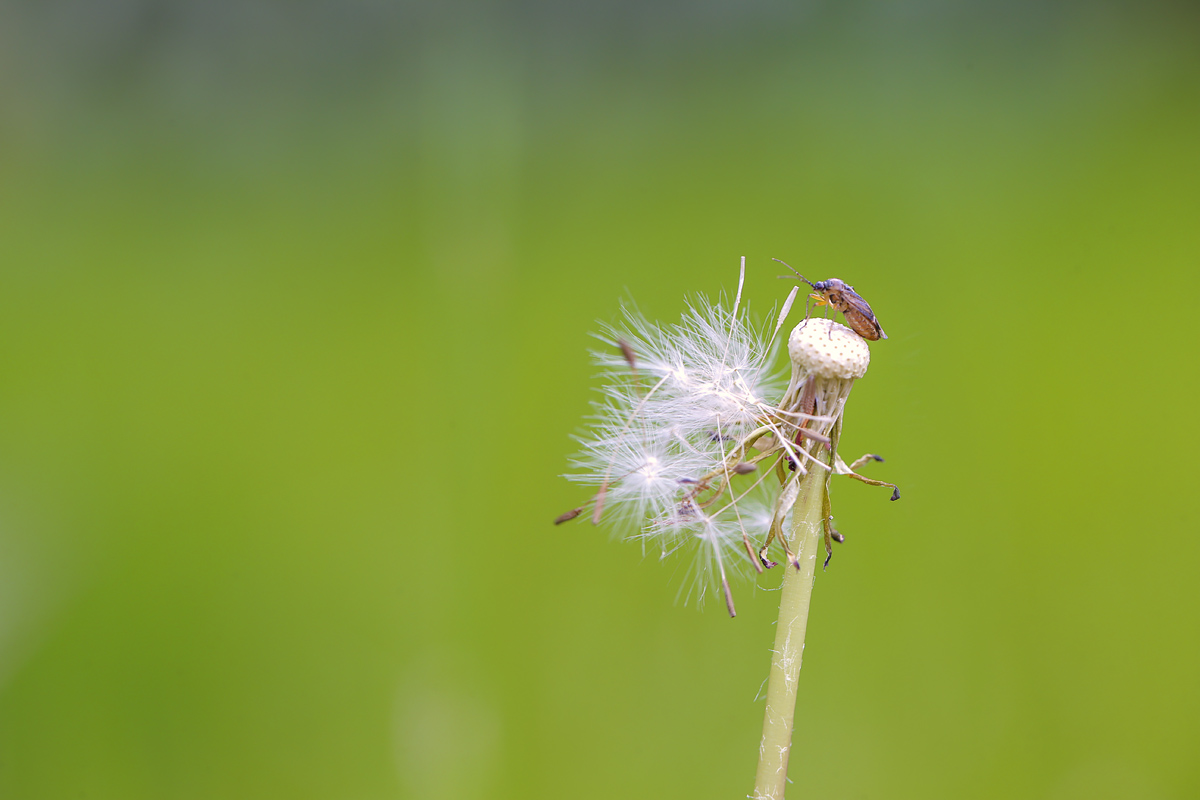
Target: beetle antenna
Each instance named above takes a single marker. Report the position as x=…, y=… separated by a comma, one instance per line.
x=793, y=269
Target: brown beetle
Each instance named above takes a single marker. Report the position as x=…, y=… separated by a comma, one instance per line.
x=840, y=296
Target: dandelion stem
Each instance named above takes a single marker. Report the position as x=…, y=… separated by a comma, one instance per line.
x=805, y=539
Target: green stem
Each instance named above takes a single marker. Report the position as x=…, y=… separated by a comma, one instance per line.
x=776, y=745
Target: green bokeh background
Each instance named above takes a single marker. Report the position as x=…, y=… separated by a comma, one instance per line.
x=294, y=305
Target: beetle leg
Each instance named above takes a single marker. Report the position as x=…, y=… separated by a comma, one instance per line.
x=824, y=301
x=807, y=310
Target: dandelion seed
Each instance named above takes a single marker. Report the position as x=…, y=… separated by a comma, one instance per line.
x=630, y=358
x=567, y=516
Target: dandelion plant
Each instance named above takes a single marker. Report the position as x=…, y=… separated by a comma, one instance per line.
x=699, y=446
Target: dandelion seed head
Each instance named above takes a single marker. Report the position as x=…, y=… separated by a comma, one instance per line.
x=694, y=443
x=828, y=350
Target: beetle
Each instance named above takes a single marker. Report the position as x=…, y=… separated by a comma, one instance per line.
x=840, y=296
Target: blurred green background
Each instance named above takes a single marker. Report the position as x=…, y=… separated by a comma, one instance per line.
x=294, y=305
